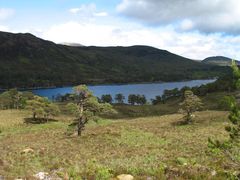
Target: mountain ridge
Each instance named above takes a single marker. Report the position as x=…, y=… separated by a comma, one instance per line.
x=29, y=61
x=219, y=60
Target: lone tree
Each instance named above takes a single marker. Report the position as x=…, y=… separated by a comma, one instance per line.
x=85, y=106
x=190, y=104
x=119, y=98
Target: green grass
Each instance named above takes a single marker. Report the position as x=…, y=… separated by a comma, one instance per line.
x=144, y=147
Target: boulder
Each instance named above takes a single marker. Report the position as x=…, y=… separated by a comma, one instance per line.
x=125, y=177
x=214, y=173
x=42, y=176
x=27, y=150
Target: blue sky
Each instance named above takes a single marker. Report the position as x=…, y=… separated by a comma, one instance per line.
x=194, y=29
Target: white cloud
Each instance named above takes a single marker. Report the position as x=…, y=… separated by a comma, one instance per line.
x=4, y=28
x=74, y=10
x=84, y=33
x=101, y=14
x=204, y=15
x=186, y=25
x=192, y=44
x=5, y=13
x=87, y=10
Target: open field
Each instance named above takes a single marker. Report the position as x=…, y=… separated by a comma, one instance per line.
x=145, y=147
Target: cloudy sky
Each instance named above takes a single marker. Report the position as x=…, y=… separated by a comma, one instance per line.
x=192, y=28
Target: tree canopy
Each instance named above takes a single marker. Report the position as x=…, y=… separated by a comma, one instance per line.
x=85, y=107
x=190, y=104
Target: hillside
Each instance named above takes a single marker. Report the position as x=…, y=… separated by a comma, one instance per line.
x=28, y=61
x=150, y=147
x=218, y=60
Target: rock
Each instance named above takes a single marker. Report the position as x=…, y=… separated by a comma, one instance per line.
x=28, y=150
x=42, y=176
x=213, y=173
x=149, y=178
x=125, y=177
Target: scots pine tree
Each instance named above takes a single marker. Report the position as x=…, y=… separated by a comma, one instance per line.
x=85, y=107
x=190, y=104
x=231, y=146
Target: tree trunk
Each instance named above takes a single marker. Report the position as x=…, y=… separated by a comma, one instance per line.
x=34, y=116
x=80, y=120
x=79, y=127
x=189, y=114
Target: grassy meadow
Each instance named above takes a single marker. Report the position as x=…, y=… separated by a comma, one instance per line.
x=156, y=147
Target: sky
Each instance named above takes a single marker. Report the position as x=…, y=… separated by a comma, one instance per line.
x=192, y=28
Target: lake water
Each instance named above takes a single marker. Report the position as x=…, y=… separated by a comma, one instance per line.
x=150, y=90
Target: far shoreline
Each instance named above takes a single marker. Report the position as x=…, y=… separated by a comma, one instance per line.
x=106, y=84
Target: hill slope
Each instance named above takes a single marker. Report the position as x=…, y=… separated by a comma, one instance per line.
x=28, y=61
x=218, y=60
x=140, y=147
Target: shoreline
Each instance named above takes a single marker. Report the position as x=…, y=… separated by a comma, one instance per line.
x=107, y=84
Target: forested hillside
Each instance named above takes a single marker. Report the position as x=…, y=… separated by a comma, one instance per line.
x=27, y=61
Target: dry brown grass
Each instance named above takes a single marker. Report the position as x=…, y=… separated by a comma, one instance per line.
x=12, y=118
x=143, y=147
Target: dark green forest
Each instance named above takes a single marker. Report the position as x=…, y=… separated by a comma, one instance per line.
x=29, y=62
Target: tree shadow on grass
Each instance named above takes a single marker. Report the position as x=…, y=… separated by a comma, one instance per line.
x=180, y=122
x=38, y=120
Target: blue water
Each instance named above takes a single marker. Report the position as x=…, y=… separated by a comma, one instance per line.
x=150, y=90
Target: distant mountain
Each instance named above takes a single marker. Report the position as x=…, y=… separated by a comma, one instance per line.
x=72, y=44
x=28, y=61
x=218, y=60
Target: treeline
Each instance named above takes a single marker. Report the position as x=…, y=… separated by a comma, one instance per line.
x=13, y=99
x=133, y=99
x=222, y=84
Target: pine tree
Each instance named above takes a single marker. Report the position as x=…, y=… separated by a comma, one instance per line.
x=231, y=146
x=86, y=107
x=190, y=104
x=119, y=98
